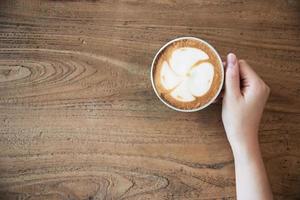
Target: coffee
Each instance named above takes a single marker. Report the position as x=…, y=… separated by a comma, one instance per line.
x=187, y=74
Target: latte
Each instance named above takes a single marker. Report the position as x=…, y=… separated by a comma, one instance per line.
x=187, y=74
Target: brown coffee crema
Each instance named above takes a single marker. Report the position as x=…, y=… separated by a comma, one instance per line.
x=166, y=54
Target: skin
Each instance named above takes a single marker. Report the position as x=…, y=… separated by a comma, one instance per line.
x=243, y=104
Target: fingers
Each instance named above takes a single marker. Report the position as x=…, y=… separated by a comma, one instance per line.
x=251, y=81
x=232, y=76
x=247, y=73
x=224, y=64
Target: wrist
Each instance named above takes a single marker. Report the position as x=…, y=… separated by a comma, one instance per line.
x=239, y=138
x=246, y=153
x=243, y=142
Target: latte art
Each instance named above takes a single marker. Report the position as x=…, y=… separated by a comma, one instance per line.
x=187, y=74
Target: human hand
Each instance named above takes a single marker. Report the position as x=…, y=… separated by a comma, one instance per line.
x=243, y=103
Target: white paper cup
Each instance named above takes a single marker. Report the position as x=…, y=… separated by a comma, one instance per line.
x=222, y=76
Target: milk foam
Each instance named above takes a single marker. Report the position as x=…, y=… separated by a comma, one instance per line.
x=185, y=75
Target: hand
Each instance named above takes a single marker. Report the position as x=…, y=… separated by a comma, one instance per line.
x=243, y=103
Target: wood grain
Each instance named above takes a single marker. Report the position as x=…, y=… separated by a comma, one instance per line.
x=79, y=119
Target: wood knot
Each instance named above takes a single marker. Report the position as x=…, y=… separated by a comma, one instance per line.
x=10, y=73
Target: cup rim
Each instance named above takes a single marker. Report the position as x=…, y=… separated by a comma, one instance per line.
x=222, y=72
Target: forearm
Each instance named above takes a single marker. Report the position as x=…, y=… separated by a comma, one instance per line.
x=251, y=177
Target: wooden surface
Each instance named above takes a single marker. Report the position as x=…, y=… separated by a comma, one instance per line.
x=79, y=119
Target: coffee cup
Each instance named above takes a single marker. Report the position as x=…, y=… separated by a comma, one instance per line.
x=187, y=74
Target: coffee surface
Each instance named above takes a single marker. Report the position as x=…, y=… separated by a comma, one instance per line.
x=187, y=74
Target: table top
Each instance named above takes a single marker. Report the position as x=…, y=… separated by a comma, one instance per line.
x=79, y=119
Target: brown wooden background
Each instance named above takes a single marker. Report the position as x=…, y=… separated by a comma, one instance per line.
x=79, y=119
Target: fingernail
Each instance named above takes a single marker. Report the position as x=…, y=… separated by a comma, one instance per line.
x=231, y=60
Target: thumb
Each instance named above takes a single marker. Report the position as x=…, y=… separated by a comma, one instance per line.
x=232, y=76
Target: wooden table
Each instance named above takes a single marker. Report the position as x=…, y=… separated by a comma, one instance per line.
x=79, y=119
